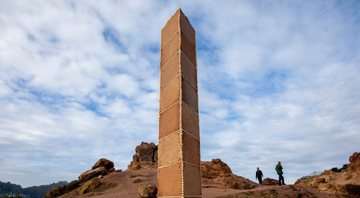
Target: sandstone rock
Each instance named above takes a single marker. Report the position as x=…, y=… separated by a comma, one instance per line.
x=218, y=174
x=355, y=157
x=147, y=191
x=104, y=163
x=344, y=167
x=215, y=168
x=145, y=156
x=134, y=164
x=335, y=169
x=269, y=181
x=320, y=180
x=87, y=175
x=156, y=155
x=344, y=182
x=137, y=181
x=145, y=151
x=352, y=190
x=89, y=185
x=355, y=161
x=100, y=168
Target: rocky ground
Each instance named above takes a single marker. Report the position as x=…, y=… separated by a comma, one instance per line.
x=287, y=191
x=102, y=180
x=343, y=182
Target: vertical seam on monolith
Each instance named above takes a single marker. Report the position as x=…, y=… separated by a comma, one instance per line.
x=180, y=110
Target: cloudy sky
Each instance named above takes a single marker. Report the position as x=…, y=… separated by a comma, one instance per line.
x=79, y=80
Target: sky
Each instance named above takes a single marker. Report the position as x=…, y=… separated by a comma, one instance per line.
x=79, y=80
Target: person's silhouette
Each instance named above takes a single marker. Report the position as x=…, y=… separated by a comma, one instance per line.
x=259, y=175
x=279, y=171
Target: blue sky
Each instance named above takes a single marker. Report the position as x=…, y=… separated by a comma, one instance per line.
x=79, y=80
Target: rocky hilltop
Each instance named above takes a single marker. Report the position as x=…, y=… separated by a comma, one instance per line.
x=103, y=180
x=344, y=181
x=218, y=174
x=215, y=173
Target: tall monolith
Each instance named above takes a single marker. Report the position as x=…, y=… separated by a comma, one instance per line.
x=179, y=139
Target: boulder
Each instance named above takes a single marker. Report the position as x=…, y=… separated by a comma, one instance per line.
x=354, y=161
x=216, y=173
x=355, y=157
x=145, y=151
x=89, y=185
x=87, y=175
x=269, y=181
x=134, y=164
x=145, y=156
x=352, y=190
x=215, y=168
x=147, y=191
x=344, y=167
x=109, y=165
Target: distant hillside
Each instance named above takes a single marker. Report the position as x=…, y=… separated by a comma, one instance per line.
x=30, y=192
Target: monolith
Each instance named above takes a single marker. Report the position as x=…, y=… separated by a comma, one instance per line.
x=179, y=140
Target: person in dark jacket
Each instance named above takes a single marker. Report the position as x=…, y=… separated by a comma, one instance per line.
x=279, y=171
x=259, y=175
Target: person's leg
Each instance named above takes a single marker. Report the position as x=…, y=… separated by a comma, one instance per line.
x=260, y=180
x=283, y=180
x=279, y=179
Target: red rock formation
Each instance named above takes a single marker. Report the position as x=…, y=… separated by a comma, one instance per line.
x=355, y=162
x=269, y=181
x=145, y=156
x=147, y=191
x=109, y=165
x=218, y=174
x=89, y=174
x=101, y=167
x=344, y=181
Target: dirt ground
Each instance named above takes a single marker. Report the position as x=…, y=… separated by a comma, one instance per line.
x=125, y=185
x=287, y=191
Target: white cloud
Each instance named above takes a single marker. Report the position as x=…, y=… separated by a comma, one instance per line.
x=79, y=80
x=116, y=83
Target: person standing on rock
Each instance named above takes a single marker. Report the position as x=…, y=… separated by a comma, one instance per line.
x=259, y=175
x=279, y=171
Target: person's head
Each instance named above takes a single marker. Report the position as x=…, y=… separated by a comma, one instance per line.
x=279, y=162
x=258, y=168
